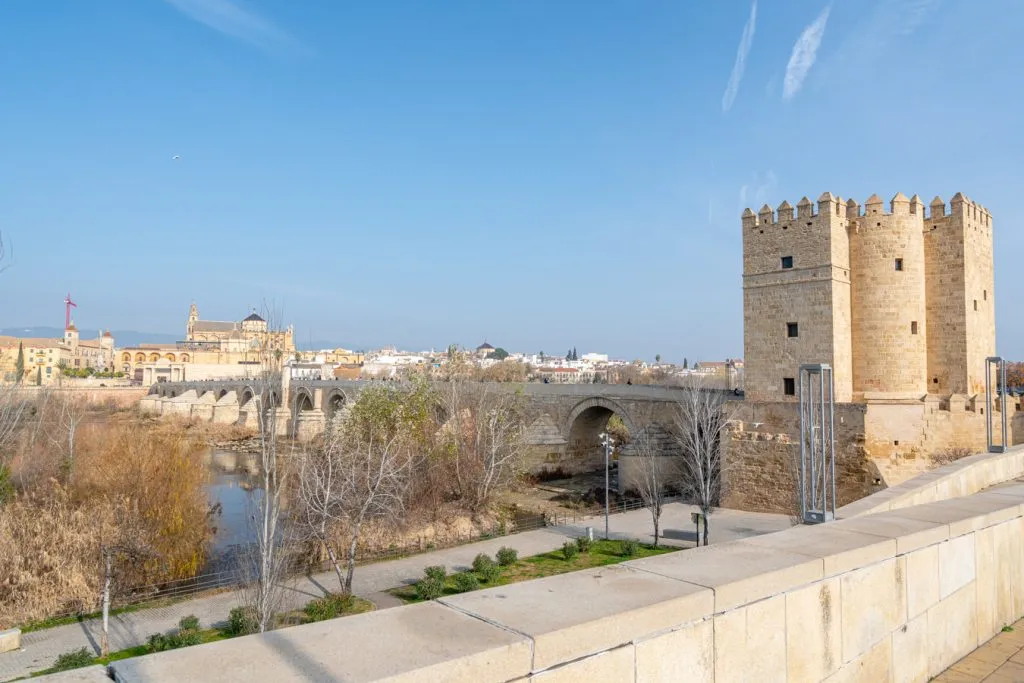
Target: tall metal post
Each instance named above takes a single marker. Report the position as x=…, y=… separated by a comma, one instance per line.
x=817, y=444
x=1000, y=390
x=606, y=441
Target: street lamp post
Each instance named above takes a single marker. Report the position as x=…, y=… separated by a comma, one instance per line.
x=607, y=442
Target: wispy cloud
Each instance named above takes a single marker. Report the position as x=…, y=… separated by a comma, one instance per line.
x=230, y=18
x=746, y=41
x=805, y=51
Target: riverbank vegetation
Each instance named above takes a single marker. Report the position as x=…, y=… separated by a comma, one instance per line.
x=94, y=498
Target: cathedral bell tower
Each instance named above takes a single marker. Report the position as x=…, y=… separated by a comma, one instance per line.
x=193, y=316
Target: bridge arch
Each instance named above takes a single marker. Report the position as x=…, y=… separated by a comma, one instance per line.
x=246, y=396
x=303, y=400
x=585, y=423
x=334, y=403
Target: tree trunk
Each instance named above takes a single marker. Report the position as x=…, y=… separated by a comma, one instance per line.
x=347, y=586
x=337, y=565
x=104, y=643
x=657, y=520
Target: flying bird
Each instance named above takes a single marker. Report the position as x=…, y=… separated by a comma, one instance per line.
x=175, y=157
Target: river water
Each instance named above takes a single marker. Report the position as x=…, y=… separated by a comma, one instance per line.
x=233, y=487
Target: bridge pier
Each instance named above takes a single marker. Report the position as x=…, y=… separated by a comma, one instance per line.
x=309, y=424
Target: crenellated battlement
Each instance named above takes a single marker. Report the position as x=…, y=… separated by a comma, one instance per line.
x=828, y=203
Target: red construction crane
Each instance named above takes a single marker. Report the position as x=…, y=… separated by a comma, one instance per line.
x=68, y=305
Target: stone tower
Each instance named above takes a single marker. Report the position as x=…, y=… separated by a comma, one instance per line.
x=193, y=316
x=900, y=304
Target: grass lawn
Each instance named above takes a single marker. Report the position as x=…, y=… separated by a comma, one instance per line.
x=601, y=553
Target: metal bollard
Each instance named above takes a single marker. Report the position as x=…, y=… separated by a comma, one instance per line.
x=590, y=533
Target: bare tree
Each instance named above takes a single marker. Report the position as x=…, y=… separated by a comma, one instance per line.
x=266, y=564
x=13, y=406
x=653, y=470
x=701, y=419
x=323, y=494
x=484, y=435
x=122, y=546
x=69, y=412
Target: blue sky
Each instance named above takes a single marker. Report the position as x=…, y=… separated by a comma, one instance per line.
x=539, y=173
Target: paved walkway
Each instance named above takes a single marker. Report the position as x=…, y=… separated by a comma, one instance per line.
x=41, y=648
x=1000, y=660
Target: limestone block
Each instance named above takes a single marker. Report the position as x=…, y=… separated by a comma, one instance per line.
x=581, y=613
x=425, y=642
x=840, y=550
x=964, y=515
x=956, y=564
x=952, y=629
x=871, y=667
x=750, y=643
x=874, y=604
x=739, y=572
x=999, y=577
x=813, y=641
x=910, y=652
x=922, y=580
x=687, y=654
x=10, y=639
x=910, y=534
x=613, y=666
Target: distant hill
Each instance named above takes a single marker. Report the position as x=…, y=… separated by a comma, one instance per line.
x=121, y=337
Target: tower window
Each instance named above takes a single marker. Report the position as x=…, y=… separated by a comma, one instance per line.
x=787, y=262
x=984, y=294
x=789, y=386
x=899, y=264
x=792, y=330
x=975, y=304
x=913, y=327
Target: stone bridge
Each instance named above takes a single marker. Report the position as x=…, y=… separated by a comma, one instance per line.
x=565, y=419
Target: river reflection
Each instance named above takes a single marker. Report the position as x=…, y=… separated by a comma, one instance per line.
x=233, y=486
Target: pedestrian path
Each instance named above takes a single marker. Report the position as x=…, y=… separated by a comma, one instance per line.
x=1000, y=660
x=41, y=648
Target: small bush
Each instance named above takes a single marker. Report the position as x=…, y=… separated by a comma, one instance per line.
x=481, y=561
x=189, y=623
x=436, y=571
x=570, y=550
x=187, y=638
x=630, y=547
x=583, y=544
x=328, y=607
x=507, y=556
x=158, y=642
x=429, y=589
x=75, y=659
x=241, y=622
x=490, y=572
x=466, y=582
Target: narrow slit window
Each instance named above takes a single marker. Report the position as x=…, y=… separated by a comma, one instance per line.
x=792, y=330
x=789, y=386
x=787, y=262
x=913, y=327
x=899, y=264
x=975, y=304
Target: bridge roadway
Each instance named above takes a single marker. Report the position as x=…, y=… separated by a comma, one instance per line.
x=565, y=420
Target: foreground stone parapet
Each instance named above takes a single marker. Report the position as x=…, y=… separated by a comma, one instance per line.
x=426, y=642
x=89, y=674
x=10, y=639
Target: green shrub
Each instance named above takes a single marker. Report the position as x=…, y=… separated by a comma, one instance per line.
x=75, y=659
x=187, y=638
x=158, y=642
x=630, y=547
x=507, y=556
x=242, y=621
x=583, y=544
x=328, y=607
x=189, y=623
x=490, y=572
x=429, y=589
x=570, y=550
x=436, y=571
x=466, y=582
x=481, y=561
